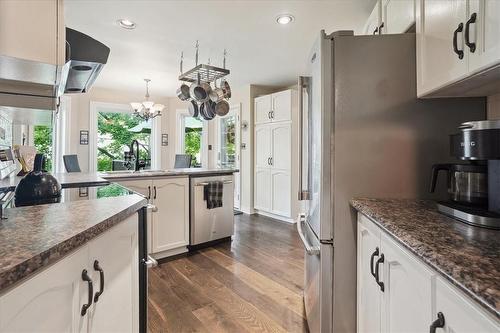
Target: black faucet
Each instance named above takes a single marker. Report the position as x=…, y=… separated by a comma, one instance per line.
x=135, y=152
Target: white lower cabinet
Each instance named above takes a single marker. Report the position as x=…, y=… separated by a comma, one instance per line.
x=168, y=222
x=52, y=300
x=399, y=293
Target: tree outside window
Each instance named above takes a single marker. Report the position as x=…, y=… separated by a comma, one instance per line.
x=42, y=137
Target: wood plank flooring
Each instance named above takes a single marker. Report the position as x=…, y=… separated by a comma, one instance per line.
x=253, y=284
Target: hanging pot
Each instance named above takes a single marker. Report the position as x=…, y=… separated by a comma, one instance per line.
x=221, y=108
x=193, y=109
x=199, y=91
x=210, y=109
x=226, y=88
x=183, y=92
x=202, y=112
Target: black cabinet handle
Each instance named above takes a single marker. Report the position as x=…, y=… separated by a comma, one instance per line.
x=149, y=192
x=438, y=323
x=86, y=278
x=374, y=254
x=380, y=28
x=375, y=31
x=154, y=196
x=460, y=53
x=269, y=115
x=101, y=282
x=472, y=19
x=271, y=160
x=377, y=275
x=272, y=114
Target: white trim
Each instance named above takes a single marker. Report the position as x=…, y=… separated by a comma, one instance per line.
x=274, y=216
x=95, y=108
x=61, y=134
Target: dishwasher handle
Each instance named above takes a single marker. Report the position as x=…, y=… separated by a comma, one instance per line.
x=205, y=183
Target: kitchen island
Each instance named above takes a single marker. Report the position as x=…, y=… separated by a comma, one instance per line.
x=53, y=259
x=408, y=250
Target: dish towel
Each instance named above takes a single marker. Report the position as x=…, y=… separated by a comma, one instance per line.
x=212, y=194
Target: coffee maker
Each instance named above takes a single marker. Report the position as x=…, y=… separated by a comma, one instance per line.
x=474, y=187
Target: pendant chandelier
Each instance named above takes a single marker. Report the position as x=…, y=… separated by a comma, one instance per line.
x=148, y=109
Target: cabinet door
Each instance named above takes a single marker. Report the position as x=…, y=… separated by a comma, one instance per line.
x=50, y=301
x=281, y=192
x=460, y=315
x=437, y=62
x=30, y=30
x=485, y=33
x=143, y=187
x=262, y=189
x=170, y=227
x=374, y=20
x=407, y=296
x=398, y=16
x=369, y=294
x=262, y=109
x=262, y=146
x=281, y=147
x=116, y=250
x=282, y=106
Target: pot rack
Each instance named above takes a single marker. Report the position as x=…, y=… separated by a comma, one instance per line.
x=203, y=72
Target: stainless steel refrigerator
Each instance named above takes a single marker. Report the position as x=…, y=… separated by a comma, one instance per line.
x=363, y=133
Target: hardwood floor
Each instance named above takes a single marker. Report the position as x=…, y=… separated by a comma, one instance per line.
x=253, y=284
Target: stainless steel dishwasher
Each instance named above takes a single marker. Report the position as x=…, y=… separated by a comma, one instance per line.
x=209, y=225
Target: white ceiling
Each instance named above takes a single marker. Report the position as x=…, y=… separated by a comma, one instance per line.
x=259, y=50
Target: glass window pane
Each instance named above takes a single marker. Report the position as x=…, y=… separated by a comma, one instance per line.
x=228, y=142
x=193, y=130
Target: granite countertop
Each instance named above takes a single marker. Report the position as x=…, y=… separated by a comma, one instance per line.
x=467, y=256
x=73, y=179
x=192, y=172
x=36, y=236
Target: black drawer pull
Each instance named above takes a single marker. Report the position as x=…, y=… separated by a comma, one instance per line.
x=438, y=323
x=375, y=31
x=101, y=282
x=374, y=254
x=460, y=53
x=86, y=277
x=377, y=275
x=380, y=28
x=149, y=192
x=472, y=46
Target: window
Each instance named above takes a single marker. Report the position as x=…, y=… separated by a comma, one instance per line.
x=42, y=139
x=192, y=136
x=115, y=133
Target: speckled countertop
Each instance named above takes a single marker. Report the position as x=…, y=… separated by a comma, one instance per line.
x=73, y=179
x=36, y=236
x=467, y=256
x=192, y=172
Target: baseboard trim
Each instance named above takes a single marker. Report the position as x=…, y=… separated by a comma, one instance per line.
x=274, y=216
x=169, y=253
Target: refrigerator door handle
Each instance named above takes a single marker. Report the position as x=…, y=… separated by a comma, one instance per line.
x=303, y=194
x=310, y=249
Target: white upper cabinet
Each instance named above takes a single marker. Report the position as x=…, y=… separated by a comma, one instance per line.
x=374, y=20
x=457, y=39
x=33, y=30
x=262, y=109
x=397, y=16
x=484, y=30
x=441, y=57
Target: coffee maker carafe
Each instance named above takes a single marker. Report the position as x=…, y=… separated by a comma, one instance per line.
x=474, y=187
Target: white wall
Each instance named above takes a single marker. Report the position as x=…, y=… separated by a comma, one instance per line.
x=494, y=106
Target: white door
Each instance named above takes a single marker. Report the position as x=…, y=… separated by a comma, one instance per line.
x=262, y=189
x=407, y=296
x=374, y=20
x=369, y=294
x=484, y=33
x=263, y=146
x=262, y=109
x=51, y=301
x=398, y=16
x=228, y=146
x=460, y=316
x=281, y=192
x=281, y=146
x=170, y=227
x=440, y=23
x=116, y=253
x=282, y=106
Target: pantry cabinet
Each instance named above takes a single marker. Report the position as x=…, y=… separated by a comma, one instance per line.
x=274, y=151
x=52, y=300
x=397, y=292
x=456, y=40
x=374, y=20
x=168, y=221
x=390, y=17
x=33, y=30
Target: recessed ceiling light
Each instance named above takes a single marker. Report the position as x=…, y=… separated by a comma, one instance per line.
x=284, y=19
x=126, y=24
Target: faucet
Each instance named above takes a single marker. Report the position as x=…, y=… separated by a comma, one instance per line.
x=135, y=153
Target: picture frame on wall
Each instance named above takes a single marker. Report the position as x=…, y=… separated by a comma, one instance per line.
x=84, y=137
x=164, y=139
